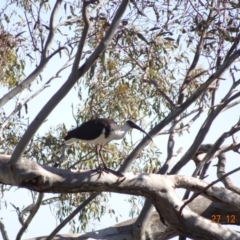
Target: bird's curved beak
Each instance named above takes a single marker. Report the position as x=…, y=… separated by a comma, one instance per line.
x=134, y=125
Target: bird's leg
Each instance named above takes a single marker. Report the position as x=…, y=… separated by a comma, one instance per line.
x=105, y=168
x=97, y=152
x=100, y=154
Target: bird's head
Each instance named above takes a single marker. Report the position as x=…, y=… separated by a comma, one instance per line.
x=132, y=124
x=70, y=138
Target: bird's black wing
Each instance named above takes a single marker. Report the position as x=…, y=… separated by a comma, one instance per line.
x=109, y=124
x=92, y=129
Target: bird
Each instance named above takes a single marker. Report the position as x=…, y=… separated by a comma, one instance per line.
x=99, y=132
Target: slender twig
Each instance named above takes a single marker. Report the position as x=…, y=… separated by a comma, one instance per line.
x=206, y=188
x=31, y=207
x=204, y=129
x=30, y=32
x=30, y=217
x=154, y=83
x=20, y=105
x=20, y=217
x=44, y=60
x=55, y=52
x=195, y=58
x=178, y=110
x=195, y=9
x=204, y=109
x=217, y=145
x=50, y=200
x=131, y=56
x=52, y=29
x=233, y=47
x=72, y=215
x=72, y=79
x=183, y=128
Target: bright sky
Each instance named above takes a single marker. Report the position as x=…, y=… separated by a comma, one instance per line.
x=44, y=222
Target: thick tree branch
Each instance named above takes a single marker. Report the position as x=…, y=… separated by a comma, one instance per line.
x=3, y=231
x=155, y=229
x=222, y=175
x=52, y=29
x=207, y=187
x=159, y=188
x=82, y=40
x=145, y=214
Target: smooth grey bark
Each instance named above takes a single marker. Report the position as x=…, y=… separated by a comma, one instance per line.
x=154, y=229
x=221, y=171
x=139, y=226
x=145, y=214
x=3, y=231
x=158, y=188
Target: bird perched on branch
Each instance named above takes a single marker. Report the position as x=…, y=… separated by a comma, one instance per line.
x=100, y=131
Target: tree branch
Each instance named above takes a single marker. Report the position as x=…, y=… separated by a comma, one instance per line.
x=71, y=216
x=106, y=40
x=44, y=60
x=140, y=225
x=222, y=176
x=196, y=56
x=72, y=79
x=154, y=83
x=217, y=145
x=52, y=29
x=203, y=130
x=159, y=188
x=178, y=110
x=3, y=231
x=207, y=187
x=155, y=229
x=30, y=217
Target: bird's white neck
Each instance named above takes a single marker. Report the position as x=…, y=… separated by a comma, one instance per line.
x=119, y=134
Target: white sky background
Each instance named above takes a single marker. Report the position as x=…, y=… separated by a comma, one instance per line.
x=44, y=221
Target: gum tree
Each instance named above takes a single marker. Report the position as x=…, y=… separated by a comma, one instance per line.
x=159, y=63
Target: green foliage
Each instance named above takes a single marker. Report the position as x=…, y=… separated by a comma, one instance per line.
x=144, y=66
x=11, y=67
